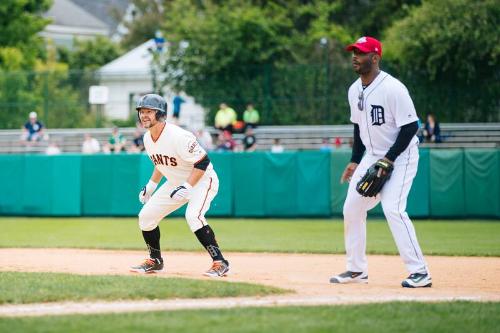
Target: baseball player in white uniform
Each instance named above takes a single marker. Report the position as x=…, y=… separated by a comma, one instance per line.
x=385, y=124
x=191, y=179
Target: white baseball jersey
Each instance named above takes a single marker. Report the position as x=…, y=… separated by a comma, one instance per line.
x=174, y=153
x=387, y=106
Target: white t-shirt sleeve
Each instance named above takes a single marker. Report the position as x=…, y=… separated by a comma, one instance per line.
x=401, y=105
x=189, y=149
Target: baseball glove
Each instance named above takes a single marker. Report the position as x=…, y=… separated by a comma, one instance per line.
x=374, y=179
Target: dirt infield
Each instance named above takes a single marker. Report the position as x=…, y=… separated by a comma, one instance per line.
x=474, y=278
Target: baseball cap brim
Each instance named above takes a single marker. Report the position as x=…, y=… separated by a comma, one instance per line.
x=359, y=47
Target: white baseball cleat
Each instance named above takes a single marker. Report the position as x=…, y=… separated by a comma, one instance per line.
x=417, y=280
x=350, y=277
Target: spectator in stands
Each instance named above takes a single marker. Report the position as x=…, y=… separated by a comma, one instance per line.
x=249, y=141
x=177, y=102
x=277, y=147
x=137, y=142
x=225, y=118
x=432, y=131
x=326, y=145
x=251, y=116
x=338, y=143
x=226, y=142
x=116, y=142
x=52, y=149
x=33, y=129
x=205, y=139
x=90, y=145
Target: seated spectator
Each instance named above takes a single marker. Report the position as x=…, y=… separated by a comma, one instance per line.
x=277, y=147
x=205, y=139
x=251, y=116
x=225, y=118
x=138, y=142
x=90, y=145
x=249, y=141
x=116, y=142
x=33, y=129
x=226, y=142
x=325, y=145
x=432, y=131
x=52, y=149
x=338, y=142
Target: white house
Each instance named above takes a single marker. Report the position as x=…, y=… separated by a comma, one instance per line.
x=129, y=77
x=70, y=21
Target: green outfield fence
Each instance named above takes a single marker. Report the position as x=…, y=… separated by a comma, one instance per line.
x=449, y=183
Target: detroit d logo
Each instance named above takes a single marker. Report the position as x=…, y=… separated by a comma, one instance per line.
x=377, y=115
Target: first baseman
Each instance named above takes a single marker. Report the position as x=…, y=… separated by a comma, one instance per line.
x=385, y=124
x=191, y=179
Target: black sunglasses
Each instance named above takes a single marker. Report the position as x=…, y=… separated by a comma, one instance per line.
x=360, y=100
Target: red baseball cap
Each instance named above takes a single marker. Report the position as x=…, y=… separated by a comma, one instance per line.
x=366, y=45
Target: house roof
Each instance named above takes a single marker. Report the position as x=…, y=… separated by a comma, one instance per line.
x=137, y=60
x=66, y=13
x=103, y=9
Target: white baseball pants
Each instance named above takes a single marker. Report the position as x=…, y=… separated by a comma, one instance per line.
x=393, y=198
x=161, y=205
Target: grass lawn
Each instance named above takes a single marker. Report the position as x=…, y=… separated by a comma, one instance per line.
x=18, y=288
x=453, y=237
x=384, y=318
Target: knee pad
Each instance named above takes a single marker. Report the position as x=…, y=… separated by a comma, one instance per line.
x=193, y=221
x=147, y=222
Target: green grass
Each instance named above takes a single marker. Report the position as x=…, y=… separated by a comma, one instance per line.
x=18, y=288
x=468, y=238
x=384, y=318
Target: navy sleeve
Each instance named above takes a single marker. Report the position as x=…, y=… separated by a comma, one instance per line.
x=405, y=135
x=358, y=148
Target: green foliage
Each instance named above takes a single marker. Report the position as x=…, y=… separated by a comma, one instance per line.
x=21, y=20
x=148, y=17
x=237, y=52
x=449, y=49
x=91, y=54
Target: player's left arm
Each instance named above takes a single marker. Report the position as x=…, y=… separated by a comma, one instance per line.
x=405, y=115
x=191, y=151
x=405, y=135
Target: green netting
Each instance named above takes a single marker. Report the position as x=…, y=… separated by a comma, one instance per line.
x=418, y=199
x=482, y=183
x=66, y=185
x=447, y=197
x=222, y=205
x=280, y=179
x=339, y=160
x=12, y=180
x=37, y=185
x=248, y=184
x=313, y=183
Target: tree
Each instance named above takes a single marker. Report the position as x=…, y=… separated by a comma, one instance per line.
x=447, y=51
x=20, y=22
x=147, y=19
x=238, y=52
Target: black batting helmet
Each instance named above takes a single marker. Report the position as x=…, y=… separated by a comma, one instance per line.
x=153, y=102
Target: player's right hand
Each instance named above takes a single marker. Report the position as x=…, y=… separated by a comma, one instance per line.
x=147, y=191
x=348, y=172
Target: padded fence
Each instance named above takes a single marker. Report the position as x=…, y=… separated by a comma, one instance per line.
x=449, y=183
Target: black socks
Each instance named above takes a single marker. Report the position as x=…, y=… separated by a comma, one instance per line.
x=206, y=237
x=152, y=239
